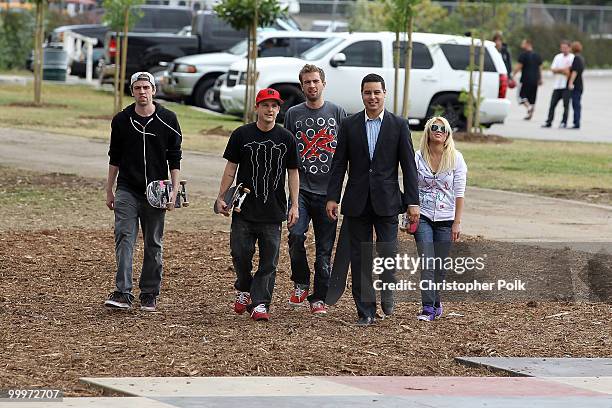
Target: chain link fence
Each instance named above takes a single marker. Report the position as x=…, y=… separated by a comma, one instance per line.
x=594, y=20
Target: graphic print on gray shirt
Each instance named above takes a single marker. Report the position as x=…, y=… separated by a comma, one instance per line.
x=316, y=133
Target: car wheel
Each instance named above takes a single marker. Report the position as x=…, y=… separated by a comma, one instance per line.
x=449, y=107
x=204, y=96
x=291, y=96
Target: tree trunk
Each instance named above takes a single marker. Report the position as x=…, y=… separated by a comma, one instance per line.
x=247, y=89
x=470, y=95
x=124, y=47
x=407, y=67
x=117, y=90
x=480, y=71
x=38, y=53
x=396, y=66
x=254, y=68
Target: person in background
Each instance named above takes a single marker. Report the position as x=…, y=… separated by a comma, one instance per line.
x=574, y=83
x=530, y=66
x=502, y=47
x=560, y=68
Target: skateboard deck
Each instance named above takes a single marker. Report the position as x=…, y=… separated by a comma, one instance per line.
x=159, y=192
x=340, y=266
x=234, y=197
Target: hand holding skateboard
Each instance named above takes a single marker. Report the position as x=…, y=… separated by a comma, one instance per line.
x=232, y=199
x=160, y=194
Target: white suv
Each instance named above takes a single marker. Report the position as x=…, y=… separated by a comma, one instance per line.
x=437, y=77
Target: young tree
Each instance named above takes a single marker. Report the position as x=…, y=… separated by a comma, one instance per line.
x=121, y=15
x=248, y=15
x=39, y=36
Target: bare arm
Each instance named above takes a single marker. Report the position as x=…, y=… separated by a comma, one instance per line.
x=294, y=190
x=540, y=77
x=517, y=68
x=226, y=182
x=110, y=183
x=570, y=84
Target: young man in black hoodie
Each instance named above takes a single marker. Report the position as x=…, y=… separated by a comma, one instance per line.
x=145, y=143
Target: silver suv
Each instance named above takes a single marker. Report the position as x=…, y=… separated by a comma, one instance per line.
x=192, y=78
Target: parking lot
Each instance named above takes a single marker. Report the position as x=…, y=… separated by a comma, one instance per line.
x=595, y=109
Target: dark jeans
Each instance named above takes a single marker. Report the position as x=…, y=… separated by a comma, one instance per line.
x=360, y=231
x=557, y=95
x=433, y=241
x=243, y=236
x=576, y=105
x=129, y=210
x=312, y=207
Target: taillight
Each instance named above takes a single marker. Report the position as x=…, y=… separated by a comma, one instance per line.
x=112, y=47
x=503, y=85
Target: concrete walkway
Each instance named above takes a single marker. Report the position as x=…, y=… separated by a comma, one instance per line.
x=316, y=392
x=493, y=214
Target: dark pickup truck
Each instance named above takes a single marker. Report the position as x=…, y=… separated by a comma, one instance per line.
x=147, y=50
x=153, y=19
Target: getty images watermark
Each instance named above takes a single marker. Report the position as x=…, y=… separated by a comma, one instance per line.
x=405, y=264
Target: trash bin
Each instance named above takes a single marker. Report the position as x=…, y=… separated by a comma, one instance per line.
x=55, y=64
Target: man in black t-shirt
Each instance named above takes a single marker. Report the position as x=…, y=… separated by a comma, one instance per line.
x=261, y=152
x=574, y=83
x=530, y=66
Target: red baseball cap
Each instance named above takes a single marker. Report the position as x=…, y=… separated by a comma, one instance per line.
x=268, y=93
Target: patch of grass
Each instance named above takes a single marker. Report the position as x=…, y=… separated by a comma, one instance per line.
x=83, y=111
x=568, y=169
x=572, y=170
x=17, y=72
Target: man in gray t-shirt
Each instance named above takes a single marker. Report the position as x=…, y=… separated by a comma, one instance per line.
x=315, y=125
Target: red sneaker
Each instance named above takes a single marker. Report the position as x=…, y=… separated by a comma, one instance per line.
x=298, y=296
x=260, y=312
x=318, y=308
x=242, y=300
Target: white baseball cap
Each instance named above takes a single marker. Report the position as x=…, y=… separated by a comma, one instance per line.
x=142, y=76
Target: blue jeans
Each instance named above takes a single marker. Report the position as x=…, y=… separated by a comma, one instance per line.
x=312, y=207
x=433, y=241
x=576, y=105
x=129, y=210
x=243, y=236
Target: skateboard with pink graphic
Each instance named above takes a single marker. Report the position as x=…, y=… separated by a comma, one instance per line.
x=160, y=191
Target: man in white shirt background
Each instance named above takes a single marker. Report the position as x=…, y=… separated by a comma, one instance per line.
x=559, y=67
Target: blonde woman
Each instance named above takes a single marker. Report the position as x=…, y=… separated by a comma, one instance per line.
x=441, y=178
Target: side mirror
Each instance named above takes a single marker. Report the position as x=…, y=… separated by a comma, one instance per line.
x=337, y=60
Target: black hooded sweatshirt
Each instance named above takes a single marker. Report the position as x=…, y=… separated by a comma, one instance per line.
x=144, y=148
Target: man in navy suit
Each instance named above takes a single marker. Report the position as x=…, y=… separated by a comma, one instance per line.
x=372, y=143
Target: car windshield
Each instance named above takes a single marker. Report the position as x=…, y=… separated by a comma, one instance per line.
x=322, y=49
x=239, y=49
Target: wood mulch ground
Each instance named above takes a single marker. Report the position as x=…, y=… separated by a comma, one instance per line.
x=54, y=329
x=57, y=267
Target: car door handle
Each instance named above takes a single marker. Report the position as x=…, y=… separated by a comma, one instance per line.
x=430, y=79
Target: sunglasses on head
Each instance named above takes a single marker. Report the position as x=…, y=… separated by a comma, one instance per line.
x=438, y=128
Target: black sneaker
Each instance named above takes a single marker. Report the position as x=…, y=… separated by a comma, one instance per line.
x=148, y=302
x=118, y=300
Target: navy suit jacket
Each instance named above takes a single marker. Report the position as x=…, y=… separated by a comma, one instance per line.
x=378, y=177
